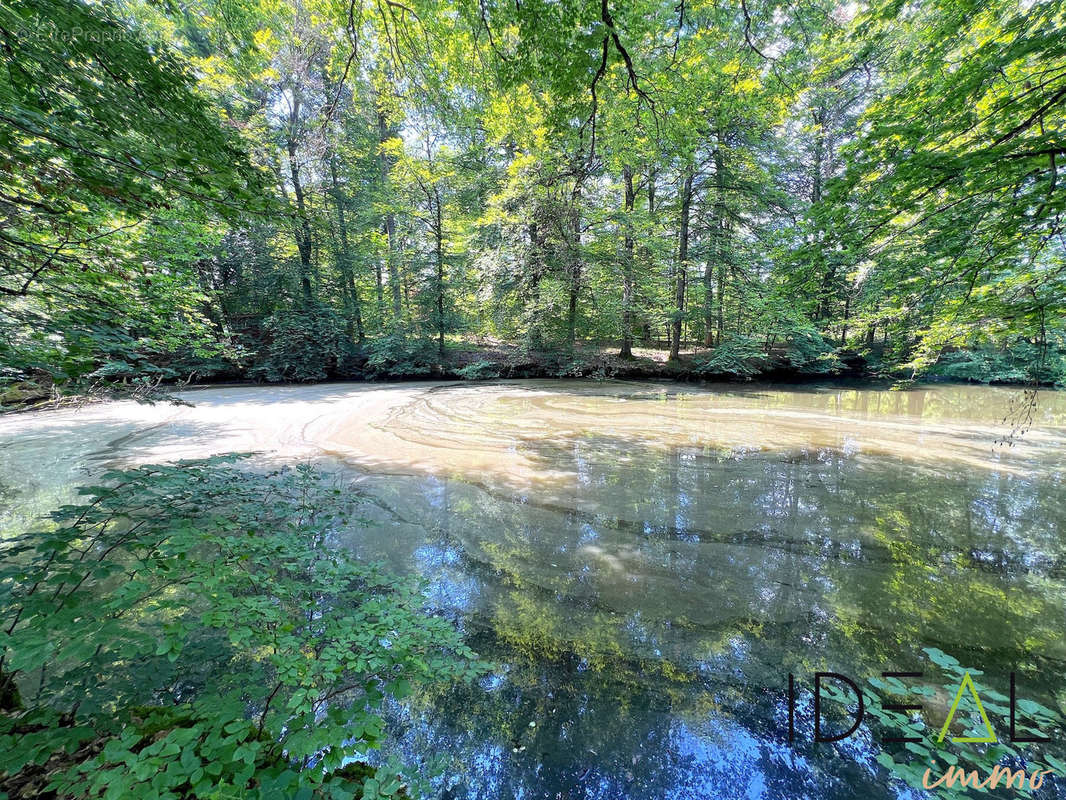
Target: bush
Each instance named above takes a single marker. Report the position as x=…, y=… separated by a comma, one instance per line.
x=1020, y=364
x=479, y=371
x=739, y=356
x=806, y=350
x=303, y=346
x=192, y=628
x=398, y=356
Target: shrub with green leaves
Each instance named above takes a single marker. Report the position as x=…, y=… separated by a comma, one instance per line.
x=739, y=356
x=1023, y=363
x=808, y=351
x=397, y=355
x=196, y=630
x=304, y=345
x=479, y=371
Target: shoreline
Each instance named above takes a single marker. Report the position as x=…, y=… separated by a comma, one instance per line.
x=167, y=392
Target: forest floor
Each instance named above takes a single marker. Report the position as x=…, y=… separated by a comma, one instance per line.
x=589, y=359
x=466, y=358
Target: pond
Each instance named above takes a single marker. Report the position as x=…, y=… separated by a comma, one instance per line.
x=646, y=564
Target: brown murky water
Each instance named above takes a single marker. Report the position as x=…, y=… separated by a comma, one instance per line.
x=647, y=563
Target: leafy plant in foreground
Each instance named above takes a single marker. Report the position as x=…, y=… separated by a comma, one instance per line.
x=195, y=630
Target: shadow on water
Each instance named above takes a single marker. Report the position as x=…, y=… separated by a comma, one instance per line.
x=930, y=401
x=644, y=589
x=274, y=394
x=645, y=617
x=43, y=465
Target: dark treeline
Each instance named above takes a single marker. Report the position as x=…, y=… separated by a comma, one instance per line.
x=376, y=188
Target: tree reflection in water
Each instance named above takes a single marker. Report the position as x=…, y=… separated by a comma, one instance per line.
x=646, y=616
x=647, y=564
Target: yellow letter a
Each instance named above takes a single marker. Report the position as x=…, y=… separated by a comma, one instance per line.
x=967, y=681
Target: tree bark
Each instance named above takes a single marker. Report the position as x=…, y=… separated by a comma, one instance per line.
x=847, y=318
x=386, y=132
x=720, y=322
x=533, y=273
x=819, y=156
x=438, y=232
x=344, y=260
x=627, y=265
x=716, y=256
x=574, y=269
x=302, y=227
x=681, y=276
x=646, y=251
x=820, y=117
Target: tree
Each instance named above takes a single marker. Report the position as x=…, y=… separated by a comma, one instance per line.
x=953, y=187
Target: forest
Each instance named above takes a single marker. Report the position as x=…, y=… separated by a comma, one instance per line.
x=332, y=189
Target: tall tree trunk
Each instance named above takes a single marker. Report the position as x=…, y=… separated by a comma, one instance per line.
x=681, y=276
x=740, y=301
x=380, y=288
x=302, y=226
x=720, y=322
x=627, y=265
x=871, y=330
x=847, y=318
x=646, y=251
x=716, y=256
x=823, y=309
x=386, y=132
x=353, y=308
x=534, y=272
x=438, y=232
x=819, y=156
x=574, y=269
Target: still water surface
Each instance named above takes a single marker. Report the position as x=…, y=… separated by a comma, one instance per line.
x=647, y=563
